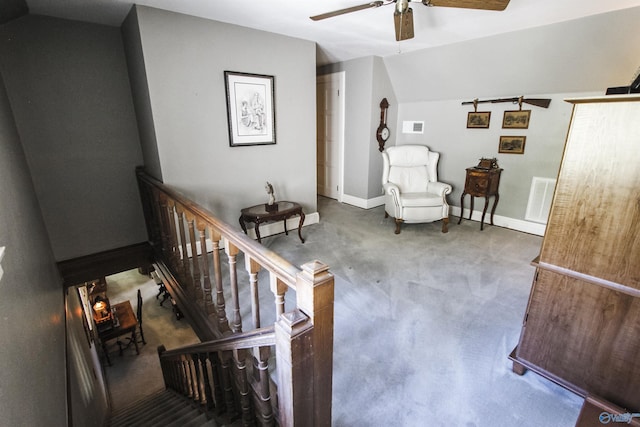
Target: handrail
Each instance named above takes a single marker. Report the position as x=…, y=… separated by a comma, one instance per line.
x=261, y=337
x=230, y=371
x=264, y=256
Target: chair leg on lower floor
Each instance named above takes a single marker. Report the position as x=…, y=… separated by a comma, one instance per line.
x=445, y=225
x=398, y=222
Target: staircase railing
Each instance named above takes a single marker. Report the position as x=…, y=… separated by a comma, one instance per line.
x=233, y=371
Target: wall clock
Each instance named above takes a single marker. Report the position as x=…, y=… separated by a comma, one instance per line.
x=383, y=133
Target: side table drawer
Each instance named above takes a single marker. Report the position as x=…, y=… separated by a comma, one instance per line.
x=477, y=184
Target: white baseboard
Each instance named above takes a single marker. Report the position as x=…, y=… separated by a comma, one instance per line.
x=362, y=203
x=503, y=221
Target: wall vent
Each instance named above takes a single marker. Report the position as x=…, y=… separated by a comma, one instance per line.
x=540, y=197
x=412, y=127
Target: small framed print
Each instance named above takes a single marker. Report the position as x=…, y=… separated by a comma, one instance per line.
x=512, y=144
x=516, y=119
x=250, y=108
x=478, y=119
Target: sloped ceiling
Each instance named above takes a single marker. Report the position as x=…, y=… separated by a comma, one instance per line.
x=583, y=55
x=365, y=33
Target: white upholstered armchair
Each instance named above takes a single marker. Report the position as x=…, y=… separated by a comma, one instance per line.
x=411, y=189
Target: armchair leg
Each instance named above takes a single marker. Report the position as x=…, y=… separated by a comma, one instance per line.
x=445, y=225
x=398, y=222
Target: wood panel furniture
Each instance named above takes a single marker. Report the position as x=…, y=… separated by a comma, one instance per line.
x=582, y=324
x=259, y=214
x=481, y=183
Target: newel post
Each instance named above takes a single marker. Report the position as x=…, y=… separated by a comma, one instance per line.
x=294, y=337
x=315, y=296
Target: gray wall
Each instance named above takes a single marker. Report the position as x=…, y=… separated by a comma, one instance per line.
x=68, y=87
x=366, y=84
x=575, y=58
x=185, y=59
x=32, y=354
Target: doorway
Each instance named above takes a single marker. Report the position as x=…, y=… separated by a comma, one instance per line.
x=330, y=134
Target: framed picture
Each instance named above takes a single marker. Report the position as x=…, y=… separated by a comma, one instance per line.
x=478, y=119
x=512, y=144
x=250, y=109
x=516, y=119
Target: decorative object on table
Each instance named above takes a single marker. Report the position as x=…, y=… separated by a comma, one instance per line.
x=250, y=108
x=518, y=119
x=271, y=205
x=486, y=163
x=482, y=182
x=478, y=119
x=512, y=144
x=383, y=133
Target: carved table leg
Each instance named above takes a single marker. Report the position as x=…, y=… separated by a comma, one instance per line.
x=257, y=229
x=495, y=203
x=300, y=226
x=484, y=212
x=461, y=207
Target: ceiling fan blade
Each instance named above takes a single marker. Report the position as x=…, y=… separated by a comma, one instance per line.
x=347, y=10
x=469, y=4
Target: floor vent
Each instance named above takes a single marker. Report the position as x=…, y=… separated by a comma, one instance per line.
x=540, y=197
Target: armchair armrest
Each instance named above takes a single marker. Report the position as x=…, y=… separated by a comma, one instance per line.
x=392, y=189
x=439, y=188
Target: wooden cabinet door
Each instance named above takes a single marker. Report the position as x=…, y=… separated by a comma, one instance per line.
x=586, y=336
x=594, y=223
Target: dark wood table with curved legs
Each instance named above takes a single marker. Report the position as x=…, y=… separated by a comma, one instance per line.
x=481, y=183
x=282, y=211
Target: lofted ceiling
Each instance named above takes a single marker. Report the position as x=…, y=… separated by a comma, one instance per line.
x=363, y=33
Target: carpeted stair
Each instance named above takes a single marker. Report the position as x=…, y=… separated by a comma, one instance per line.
x=165, y=408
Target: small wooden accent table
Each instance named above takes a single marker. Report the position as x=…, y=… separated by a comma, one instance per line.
x=258, y=214
x=481, y=183
x=126, y=324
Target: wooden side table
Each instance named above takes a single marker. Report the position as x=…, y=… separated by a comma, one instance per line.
x=259, y=214
x=481, y=183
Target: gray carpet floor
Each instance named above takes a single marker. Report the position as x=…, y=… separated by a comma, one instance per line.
x=424, y=322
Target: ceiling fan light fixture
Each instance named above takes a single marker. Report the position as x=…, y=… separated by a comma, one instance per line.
x=403, y=23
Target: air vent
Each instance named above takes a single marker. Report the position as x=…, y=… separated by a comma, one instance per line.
x=540, y=197
x=412, y=127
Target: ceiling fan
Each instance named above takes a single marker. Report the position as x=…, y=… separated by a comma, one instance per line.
x=403, y=14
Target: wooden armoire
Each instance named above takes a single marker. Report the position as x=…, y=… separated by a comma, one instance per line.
x=582, y=324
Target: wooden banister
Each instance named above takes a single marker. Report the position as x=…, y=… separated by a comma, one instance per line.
x=229, y=372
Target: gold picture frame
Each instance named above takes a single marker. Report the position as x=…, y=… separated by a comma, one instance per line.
x=478, y=119
x=512, y=144
x=518, y=119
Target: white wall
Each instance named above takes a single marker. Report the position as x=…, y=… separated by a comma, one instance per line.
x=185, y=59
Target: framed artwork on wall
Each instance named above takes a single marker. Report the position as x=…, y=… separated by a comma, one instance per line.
x=250, y=108
x=512, y=144
x=516, y=119
x=478, y=119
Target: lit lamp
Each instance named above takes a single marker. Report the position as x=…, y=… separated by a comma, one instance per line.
x=100, y=307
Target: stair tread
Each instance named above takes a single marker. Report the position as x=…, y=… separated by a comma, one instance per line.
x=140, y=405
